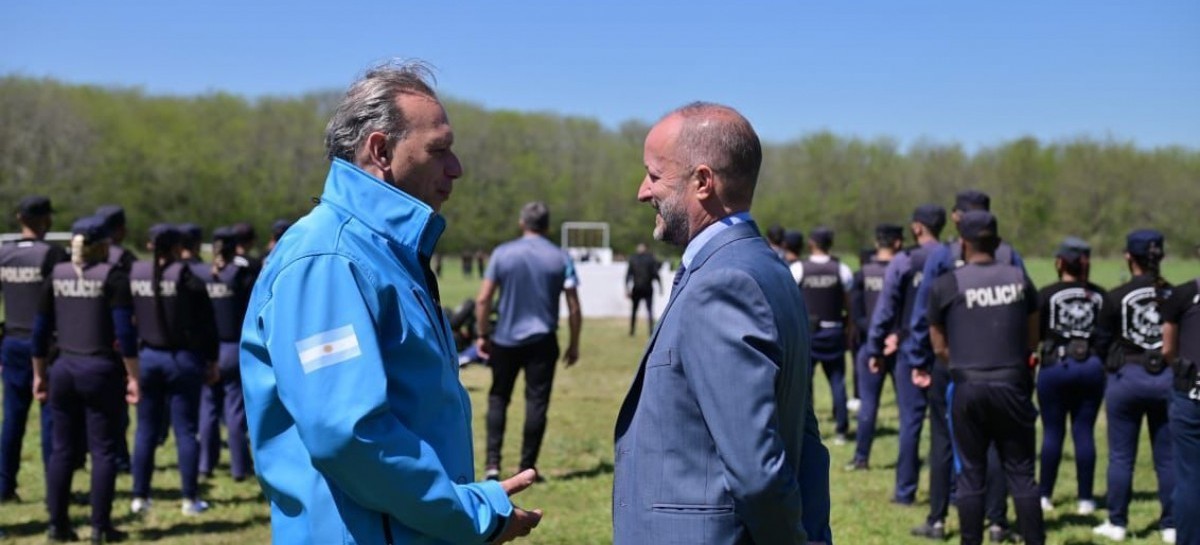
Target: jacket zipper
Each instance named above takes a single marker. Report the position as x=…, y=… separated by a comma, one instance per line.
x=387, y=529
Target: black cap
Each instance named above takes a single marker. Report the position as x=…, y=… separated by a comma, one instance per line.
x=866, y=255
x=775, y=234
x=35, y=205
x=888, y=232
x=93, y=228
x=971, y=199
x=1073, y=248
x=1145, y=243
x=977, y=225
x=226, y=235
x=793, y=241
x=164, y=235
x=822, y=237
x=279, y=228
x=931, y=216
x=114, y=215
x=244, y=232
x=192, y=233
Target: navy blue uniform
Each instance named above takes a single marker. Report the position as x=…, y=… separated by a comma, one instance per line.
x=1183, y=311
x=1071, y=382
x=868, y=289
x=1130, y=334
x=984, y=310
x=825, y=285
x=24, y=267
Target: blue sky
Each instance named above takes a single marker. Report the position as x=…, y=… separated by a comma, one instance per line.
x=971, y=72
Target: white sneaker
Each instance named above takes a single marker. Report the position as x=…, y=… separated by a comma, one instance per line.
x=1086, y=507
x=1047, y=505
x=1110, y=530
x=853, y=404
x=839, y=439
x=194, y=507
x=1168, y=535
x=140, y=505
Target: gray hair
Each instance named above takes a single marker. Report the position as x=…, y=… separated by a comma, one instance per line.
x=370, y=105
x=535, y=216
x=720, y=137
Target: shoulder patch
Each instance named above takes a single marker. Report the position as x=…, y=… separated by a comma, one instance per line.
x=328, y=348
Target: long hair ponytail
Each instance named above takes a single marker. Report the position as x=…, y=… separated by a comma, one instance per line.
x=77, y=258
x=164, y=243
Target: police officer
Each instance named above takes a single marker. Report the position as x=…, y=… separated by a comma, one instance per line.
x=1071, y=381
x=178, y=334
x=825, y=282
x=24, y=266
x=983, y=324
x=919, y=352
x=640, y=277
x=1130, y=333
x=888, y=329
x=1181, y=347
x=88, y=303
x=793, y=247
x=775, y=234
x=279, y=228
x=246, y=237
x=229, y=283
x=114, y=220
x=888, y=240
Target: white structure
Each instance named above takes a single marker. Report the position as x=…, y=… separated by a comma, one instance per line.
x=587, y=241
x=602, y=291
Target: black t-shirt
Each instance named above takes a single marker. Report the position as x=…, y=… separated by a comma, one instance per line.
x=1069, y=309
x=1130, y=318
x=1183, y=309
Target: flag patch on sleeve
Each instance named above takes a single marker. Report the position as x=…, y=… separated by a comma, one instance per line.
x=328, y=348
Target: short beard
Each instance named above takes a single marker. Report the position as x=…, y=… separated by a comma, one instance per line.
x=674, y=228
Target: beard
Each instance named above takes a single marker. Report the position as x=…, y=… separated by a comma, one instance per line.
x=671, y=226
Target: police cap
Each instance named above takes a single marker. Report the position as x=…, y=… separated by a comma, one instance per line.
x=35, y=205
x=1073, y=248
x=793, y=241
x=225, y=235
x=113, y=215
x=972, y=199
x=888, y=232
x=192, y=234
x=279, y=227
x=164, y=235
x=931, y=216
x=244, y=232
x=977, y=225
x=93, y=228
x=822, y=237
x=1145, y=243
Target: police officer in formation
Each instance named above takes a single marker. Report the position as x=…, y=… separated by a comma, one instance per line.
x=888, y=330
x=1181, y=347
x=229, y=282
x=179, y=348
x=825, y=282
x=888, y=240
x=1138, y=386
x=24, y=266
x=88, y=303
x=118, y=256
x=1071, y=380
x=983, y=325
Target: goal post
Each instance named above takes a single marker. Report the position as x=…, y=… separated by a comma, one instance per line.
x=587, y=241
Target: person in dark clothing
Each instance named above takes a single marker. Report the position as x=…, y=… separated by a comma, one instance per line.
x=1130, y=334
x=1181, y=347
x=88, y=303
x=178, y=336
x=775, y=234
x=1071, y=381
x=278, y=228
x=983, y=325
x=640, y=277
x=24, y=267
x=114, y=221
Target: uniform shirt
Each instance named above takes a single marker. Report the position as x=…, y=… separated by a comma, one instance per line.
x=984, y=310
x=900, y=281
x=24, y=267
x=1130, y=319
x=531, y=273
x=642, y=273
x=1069, y=310
x=1183, y=309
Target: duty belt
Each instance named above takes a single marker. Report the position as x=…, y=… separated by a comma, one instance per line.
x=1151, y=360
x=1055, y=352
x=1187, y=377
x=1012, y=375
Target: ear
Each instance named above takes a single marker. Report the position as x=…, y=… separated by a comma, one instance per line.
x=706, y=182
x=377, y=152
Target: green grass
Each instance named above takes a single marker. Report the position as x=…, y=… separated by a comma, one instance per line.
x=577, y=460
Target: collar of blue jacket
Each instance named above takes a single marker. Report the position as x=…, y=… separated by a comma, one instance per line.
x=385, y=209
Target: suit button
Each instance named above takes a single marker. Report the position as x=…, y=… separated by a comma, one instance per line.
x=461, y=480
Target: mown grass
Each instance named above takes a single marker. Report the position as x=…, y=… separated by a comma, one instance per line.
x=577, y=460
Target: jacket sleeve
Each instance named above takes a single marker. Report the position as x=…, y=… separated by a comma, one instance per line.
x=731, y=364
x=883, y=321
x=916, y=346
x=319, y=328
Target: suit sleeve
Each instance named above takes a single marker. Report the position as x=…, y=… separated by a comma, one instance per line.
x=357, y=443
x=814, y=481
x=731, y=364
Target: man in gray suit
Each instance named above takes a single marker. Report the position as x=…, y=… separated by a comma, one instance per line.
x=717, y=442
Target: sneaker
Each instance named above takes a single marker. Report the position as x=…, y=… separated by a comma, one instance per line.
x=936, y=530
x=108, y=535
x=1168, y=535
x=839, y=439
x=193, y=507
x=1000, y=534
x=1047, y=505
x=492, y=474
x=59, y=534
x=1110, y=530
x=1086, y=507
x=140, y=505
x=853, y=404
x=858, y=465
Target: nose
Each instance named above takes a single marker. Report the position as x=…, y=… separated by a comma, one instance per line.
x=454, y=167
x=643, y=194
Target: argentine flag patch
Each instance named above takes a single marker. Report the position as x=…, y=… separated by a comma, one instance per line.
x=328, y=348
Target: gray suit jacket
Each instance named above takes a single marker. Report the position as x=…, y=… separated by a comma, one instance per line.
x=717, y=442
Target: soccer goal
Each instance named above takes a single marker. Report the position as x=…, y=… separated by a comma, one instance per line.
x=587, y=241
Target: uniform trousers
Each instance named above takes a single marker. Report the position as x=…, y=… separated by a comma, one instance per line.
x=17, y=375
x=1075, y=389
x=223, y=403
x=87, y=397
x=829, y=351
x=1185, y=433
x=1131, y=394
x=870, y=389
x=942, y=461
x=538, y=359
x=637, y=296
x=169, y=378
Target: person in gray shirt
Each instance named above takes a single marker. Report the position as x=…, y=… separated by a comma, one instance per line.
x=530, y=274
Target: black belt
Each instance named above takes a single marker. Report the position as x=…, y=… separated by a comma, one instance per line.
x=101, y=353
x=1018, y=375
x=1187, y=375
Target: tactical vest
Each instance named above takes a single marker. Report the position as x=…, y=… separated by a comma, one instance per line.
x=910, y=282
x=987, y=323
x=119, y=256
x=22, y=277
x=155, y=328
x=824, y=293
x=228, y=308
x=1004, y=253
x=82, y=315
x=872, y=278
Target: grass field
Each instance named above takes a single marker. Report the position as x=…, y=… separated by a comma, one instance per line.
x=577, y=460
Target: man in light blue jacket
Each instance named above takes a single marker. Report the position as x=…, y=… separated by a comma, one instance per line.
x=360, y=427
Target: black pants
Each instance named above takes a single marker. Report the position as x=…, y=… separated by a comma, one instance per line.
x=999, y=413
x=538, y=360
x=637, y=296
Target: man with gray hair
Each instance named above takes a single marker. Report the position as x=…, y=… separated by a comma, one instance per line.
x=530, y=274
x=360, y=427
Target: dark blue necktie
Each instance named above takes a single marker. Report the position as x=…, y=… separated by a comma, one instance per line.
x=678, y=275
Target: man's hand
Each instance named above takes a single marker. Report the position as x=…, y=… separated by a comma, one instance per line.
x=891, y=344
x=874, y=365
x=921, y=378
x=133, y=393
x=520, y=522
x=41, y=388
x=628, y=294
x=212, y=373
x=483, y=345
x=571, y=355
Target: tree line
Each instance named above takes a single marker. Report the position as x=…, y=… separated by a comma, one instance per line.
x=217, y=158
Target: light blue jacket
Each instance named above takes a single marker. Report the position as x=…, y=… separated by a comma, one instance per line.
x=360, y=427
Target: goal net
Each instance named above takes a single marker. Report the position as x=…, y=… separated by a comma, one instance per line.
x=587, y=241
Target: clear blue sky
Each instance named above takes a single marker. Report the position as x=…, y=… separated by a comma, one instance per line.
x=973, y=72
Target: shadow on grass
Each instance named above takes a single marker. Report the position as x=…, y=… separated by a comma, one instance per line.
x=202, y=527
x=602, y=468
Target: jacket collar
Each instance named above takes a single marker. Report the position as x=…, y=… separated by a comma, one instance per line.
x=384, y=209
x=733, y=233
